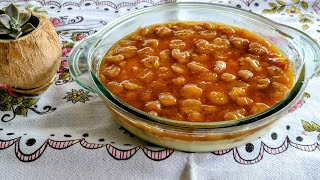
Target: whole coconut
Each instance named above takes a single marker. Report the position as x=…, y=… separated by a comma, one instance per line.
x=29, y=64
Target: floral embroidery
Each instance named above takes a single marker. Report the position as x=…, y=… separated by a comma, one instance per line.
x=77, y=36
x=66, y=48
x=67, y=45
x=304, y=19
x=64, y=65
x=311, y=127
x=56, y=22
x=64, y=74
x=292, y=9
x=9, y=91
x=18, y=105
x=77, y=96
x=66, y=20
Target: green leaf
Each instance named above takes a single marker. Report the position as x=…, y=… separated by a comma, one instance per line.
x=281, y=2
x=315, y=126
x=64, y=76
x=305, y=94
x=36, y=9
x=307, y=126
x=43, y=12
x=5, y=21
x=27, y=28
x=24, y=18
x=12, y=11
x=2, y=91
x=16, y=29
x=309, y=21
x=4, y=98
x=29, y=6
x=4, y=31
x=74, y=37
x=15, y=35
x=28, y=102
x=13, y=21
x=304, y=5
x=296, y=1
x=22, y=111
x=303, y=20
x=319, y=137
x=274, y=5
x=67, y=44
x=281, y=9
x=305, y=27
x=266, y=11
x=5, y=106
x=17, y=100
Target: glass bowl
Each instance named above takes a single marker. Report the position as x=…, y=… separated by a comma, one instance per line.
x=85, y=59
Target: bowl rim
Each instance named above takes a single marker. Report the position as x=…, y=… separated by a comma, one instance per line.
x=281, y=106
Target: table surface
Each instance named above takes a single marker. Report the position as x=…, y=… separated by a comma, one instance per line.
x=66, y=133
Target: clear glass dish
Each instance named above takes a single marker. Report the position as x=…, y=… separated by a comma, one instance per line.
x=85, y=58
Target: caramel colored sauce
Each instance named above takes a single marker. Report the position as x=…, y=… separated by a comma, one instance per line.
x=194, y=71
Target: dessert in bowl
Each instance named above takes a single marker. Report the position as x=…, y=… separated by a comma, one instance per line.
x=195, y=76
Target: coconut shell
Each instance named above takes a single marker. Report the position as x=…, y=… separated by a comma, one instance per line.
x=31, y=61
x=37, y=90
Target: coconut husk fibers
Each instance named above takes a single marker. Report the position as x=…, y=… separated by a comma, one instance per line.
x=30, y=63
x=35, y=91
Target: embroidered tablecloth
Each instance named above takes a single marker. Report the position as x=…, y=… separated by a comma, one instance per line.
x=66, y=133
